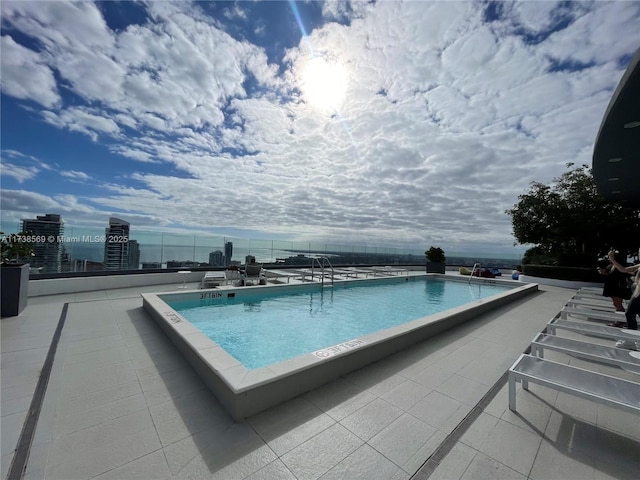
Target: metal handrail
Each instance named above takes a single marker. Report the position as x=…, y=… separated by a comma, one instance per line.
x=473, y=270
x=321, y=265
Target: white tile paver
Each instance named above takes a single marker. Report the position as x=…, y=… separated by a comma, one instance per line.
x=510, y=445
x=483, y=467
x=234, y=453
x=455, y=463
x=425, y=451
x=339, y=398
x=402, y=439
x=122, y=403
x=440, y=411
x=98, y=449
x=187, y=415
x=286, y=426
x=319, y=454
x=363, y=464
x=152, y=466
x=406, y=394
x=466, y=391
x=371, y=419
x=275, y=470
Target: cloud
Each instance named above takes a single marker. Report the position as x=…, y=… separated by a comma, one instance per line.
x=25, y=74
x=75, y=175
x=82, y=120
x=449, y=114
x=178, y=72
x=21, y=167
x=22, y=201
x=19, y=173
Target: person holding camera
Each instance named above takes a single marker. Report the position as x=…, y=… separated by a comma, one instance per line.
x=633, y=308
x=615, y=284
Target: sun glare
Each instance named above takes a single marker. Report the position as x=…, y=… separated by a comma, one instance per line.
x=324, y=84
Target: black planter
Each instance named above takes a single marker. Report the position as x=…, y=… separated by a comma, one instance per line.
x=435, y=267
x=15, y=289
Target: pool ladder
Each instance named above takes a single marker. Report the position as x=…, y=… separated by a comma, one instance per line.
x=321, y=263
x=476, y=266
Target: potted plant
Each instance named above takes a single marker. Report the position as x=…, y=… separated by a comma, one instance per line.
x=14, y=272
x=435, y=260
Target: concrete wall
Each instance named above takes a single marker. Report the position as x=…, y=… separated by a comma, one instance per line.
x=558, y=283
x=56, y=286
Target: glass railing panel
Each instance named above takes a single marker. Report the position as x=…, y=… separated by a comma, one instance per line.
x=177, y=250
x=209, y=250
x=83, y=249
x=85, y=244
x=151, y=248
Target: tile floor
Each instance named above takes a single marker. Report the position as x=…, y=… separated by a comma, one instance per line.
x=122, y=404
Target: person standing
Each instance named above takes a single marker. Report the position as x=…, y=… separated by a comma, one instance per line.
x=633, y=308
x=615, y=285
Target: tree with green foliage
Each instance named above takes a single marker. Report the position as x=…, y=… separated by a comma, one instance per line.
x=570, y=223
x=14, y=248
x=435, y=254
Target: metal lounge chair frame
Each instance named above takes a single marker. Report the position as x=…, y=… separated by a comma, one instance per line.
x=586, y=328
x=390, y=270
x=618, y=357
x=276, y=274
x=591, y=315
x=598, y=387
x=232, y=277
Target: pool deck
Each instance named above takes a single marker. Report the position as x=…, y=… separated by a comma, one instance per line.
x=121, y=403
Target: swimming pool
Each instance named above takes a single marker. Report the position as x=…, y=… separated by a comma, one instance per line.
x=246, y=390
x=268, y=327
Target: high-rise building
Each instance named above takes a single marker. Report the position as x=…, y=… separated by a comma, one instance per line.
x=134, y=255
x=216, y=259
x=48, y=253
x=116, y=245
x=228, y=252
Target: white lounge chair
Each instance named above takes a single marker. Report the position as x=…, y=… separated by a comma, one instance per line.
x=314, y=272
x=382, y=271
x=276, y=274
x=212, y=279
x=390, y=270
x=233, y=277
x=591, y=314
x=604, y=389
x=253, y=275
x=358, y=271
x=346, y=272
x=586, y=328
x=618, y=357
x=590, y=291
x=594, y=303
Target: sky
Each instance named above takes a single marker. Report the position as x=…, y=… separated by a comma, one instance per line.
x=405, y=124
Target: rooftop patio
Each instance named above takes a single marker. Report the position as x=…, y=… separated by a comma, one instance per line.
x=122, y=403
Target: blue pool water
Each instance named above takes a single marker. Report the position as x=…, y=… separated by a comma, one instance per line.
x=260, y=330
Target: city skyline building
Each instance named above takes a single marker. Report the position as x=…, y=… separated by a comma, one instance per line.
x=228, y=253
x=216, y=258
x=151, y=265
x=134, y=255
x=116, y=245
x=48, y=253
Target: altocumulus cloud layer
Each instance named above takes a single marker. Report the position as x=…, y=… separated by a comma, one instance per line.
x=451, y=110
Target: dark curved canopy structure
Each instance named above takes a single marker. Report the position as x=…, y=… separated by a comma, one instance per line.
x=616, y=155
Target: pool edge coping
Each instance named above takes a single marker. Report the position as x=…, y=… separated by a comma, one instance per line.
x=245, y=392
